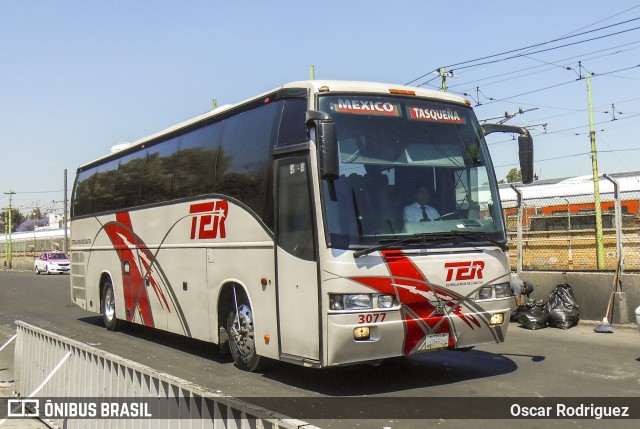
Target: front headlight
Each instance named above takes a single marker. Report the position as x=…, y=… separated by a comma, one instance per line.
x=503, y=290
x=386, y=301
x=357, y=301
x=350, y=302
x=485, y=293
x=336, y=302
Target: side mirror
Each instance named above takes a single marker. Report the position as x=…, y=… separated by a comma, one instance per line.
x=525, y=147
x=327, y=142
x=525, y=152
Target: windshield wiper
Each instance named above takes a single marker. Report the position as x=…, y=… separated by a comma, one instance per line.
x=432, y=237
x=424, y=237
x=476, y=236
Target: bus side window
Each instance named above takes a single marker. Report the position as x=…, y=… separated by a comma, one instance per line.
x=295, y=229
x=195, y=168
x=244, y=164
x=292, y=125
x=159, y=170
x=104, y=186
x=83, y=193
x=128, y=182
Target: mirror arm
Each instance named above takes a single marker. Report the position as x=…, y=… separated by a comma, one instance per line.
x=501, y=128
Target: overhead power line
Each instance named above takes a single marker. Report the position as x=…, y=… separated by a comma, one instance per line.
x=490, y=59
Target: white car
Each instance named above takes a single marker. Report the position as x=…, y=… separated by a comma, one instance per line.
x=638, y=317
x=52, y=262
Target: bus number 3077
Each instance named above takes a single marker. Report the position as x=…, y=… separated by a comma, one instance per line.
x=371, y=317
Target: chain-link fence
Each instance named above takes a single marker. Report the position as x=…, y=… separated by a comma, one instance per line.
x=557, y=222
x=25, y=246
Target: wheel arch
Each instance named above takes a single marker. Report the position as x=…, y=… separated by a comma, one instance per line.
x=225, y=304
x=104, y=277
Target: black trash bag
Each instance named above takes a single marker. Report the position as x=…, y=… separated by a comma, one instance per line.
x=564, y=311
x=533, y=315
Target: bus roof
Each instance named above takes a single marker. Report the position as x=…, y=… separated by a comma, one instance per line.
x=313, y=86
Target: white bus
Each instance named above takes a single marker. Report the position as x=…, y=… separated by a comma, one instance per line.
x=275, y=227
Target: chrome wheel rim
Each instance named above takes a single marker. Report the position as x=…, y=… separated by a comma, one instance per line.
x=242, y=333
x=109, y=304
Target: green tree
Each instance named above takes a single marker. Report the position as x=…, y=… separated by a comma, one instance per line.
x=514, y=175
x=16, y=219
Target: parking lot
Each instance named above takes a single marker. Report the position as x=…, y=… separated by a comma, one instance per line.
x=543, y=363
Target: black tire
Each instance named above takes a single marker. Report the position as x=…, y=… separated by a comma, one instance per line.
x=111, y=322
x=242, y=341
x=35, y=267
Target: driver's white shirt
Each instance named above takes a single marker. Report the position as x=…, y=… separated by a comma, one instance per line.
x=413, y=213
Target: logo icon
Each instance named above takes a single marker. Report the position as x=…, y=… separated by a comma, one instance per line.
x=464, y=270
x=23, y=408
x=209, y=219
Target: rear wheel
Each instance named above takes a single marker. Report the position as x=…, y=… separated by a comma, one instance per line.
x=242, y=341
x=35, y=267
x=111, y=322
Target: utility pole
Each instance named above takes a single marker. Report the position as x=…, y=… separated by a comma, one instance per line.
x=444, y=74
x=596, y=184
x=65, y=247
x=10, y=247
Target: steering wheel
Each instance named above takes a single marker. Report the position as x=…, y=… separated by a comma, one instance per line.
x=452, y=215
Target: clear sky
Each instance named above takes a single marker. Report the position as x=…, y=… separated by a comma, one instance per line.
x=78, y=77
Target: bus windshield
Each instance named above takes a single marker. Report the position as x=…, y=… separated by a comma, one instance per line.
x=408, y=167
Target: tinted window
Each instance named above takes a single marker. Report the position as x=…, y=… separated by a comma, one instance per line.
x=244, y=159
x=104, y=187
x=129, y=180
x=195, y=168
x=295, y=226
x=159, y=169
x=83, y=194
x=292, y=126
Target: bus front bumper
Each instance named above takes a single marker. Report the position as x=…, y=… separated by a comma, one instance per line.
x=373, y=336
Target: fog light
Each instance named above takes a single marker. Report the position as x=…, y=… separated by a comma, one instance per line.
x=497, y=319
x=485, y=292
x=361, y=333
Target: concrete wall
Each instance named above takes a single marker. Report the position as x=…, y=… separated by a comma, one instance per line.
x=592, y=291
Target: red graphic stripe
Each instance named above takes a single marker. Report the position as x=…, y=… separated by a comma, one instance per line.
x=135, y=293
x=412, y=289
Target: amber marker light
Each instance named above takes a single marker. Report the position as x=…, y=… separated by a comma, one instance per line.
x=402, y=91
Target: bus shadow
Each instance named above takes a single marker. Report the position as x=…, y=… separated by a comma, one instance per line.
x=392, y=375
x=398, y=374
x=181, y=343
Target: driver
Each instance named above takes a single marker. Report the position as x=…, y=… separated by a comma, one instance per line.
x=420, y=211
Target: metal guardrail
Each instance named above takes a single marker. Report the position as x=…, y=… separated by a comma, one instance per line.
x=89, y=372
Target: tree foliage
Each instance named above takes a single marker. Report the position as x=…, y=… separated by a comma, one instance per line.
x=514, y=175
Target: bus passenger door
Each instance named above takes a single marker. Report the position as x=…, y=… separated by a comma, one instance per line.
x=297, y=267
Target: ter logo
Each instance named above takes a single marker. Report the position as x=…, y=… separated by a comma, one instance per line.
x=464, y=270
x=208, y=220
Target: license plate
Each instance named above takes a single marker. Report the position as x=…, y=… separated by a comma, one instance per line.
x=436, y=341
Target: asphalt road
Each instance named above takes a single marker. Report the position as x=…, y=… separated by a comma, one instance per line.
x=543, y=363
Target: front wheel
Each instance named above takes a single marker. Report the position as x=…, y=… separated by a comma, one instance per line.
x=242, y=342
x=35, y=267
x=111, y=322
